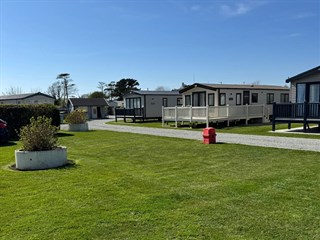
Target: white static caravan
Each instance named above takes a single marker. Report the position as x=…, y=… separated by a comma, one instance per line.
x=233, y=94
x=226, y=102
x=148, y=104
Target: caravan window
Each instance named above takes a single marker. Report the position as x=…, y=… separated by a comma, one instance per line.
x=199, y=99
x=211, y=99
x=314, y=95
x=187, y=100
x=165, y=102
x=270, y=98
x=284, y=97
x=133, y=103
x=238, y=99
x=301, y=92
x=222, y=99
x=254, y=97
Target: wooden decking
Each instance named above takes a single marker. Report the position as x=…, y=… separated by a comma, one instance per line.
x=296, y=113
x=134, y=114
x=216, y=113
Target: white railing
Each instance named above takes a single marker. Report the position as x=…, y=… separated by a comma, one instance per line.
x=210, y=113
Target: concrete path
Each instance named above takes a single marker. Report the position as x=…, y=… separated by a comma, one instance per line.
x=253, y=140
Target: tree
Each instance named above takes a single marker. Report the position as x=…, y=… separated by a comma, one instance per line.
x=97, y=94
x=162, y=88
x=13, y=91
x=124, y=86
x=110, y=90
x=67, y=87
x=55, y=91
x=101, y=86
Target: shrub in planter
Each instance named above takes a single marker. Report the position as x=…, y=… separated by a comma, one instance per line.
x=40, y=146
x=77, y=121
x=39, y=135
x=76, y=117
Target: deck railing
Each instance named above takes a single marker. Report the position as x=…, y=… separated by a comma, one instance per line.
x=124, y=113
x=296, y=110
x=215, y=113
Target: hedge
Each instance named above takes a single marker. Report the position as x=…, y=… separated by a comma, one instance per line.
x=18, y=116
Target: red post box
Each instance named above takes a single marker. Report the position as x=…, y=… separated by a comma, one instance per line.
x=209, y=135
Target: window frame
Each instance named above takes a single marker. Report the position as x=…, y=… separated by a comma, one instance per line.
x=268, y=98
x=220, y=99
x=197, y=96
x=284, y=98
x=254, y=97
x=164, y=102
x=240, y=97
x=187, y=100
x=213, y=102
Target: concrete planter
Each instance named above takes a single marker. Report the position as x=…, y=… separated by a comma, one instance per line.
x=35, y=160
x=82, y=127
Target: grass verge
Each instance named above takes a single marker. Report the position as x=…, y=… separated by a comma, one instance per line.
x=127, y=186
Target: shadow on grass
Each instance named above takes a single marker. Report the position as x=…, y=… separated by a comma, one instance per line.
x=71, y=164
x=62, y=134
x=8, y=144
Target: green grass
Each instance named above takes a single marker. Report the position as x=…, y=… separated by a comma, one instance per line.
x=249, y=129
x=127, y=186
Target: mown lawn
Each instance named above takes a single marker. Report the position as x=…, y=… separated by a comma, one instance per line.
x=240, y=129
x=127, y=186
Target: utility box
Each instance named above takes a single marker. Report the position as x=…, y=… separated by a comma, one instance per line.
x=209, y=135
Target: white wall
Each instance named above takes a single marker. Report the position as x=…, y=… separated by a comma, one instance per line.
x=231, y=95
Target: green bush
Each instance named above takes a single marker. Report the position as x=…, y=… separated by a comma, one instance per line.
x=76, y=117
x=18, y=116
x=39, y=135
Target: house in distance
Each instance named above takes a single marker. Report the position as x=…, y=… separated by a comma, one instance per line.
x=27, y=98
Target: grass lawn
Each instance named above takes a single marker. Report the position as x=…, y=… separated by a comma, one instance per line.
x=127, y=186
x=250, y=129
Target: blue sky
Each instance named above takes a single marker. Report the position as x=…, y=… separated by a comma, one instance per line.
x=157, y=42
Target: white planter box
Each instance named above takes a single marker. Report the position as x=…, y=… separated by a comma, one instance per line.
x=34, y=160
x=82, y=127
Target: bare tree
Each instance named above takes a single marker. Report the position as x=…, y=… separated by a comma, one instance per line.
x=55, y=90
x=13, y=91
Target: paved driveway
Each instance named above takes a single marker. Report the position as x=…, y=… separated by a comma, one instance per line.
x=253, y=140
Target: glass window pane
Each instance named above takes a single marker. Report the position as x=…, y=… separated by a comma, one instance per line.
x=188, y=100
x=211, y=99
x=238, y=99
x=222, y=99
x=202, y=99
x=314, y=93
x=301, y=92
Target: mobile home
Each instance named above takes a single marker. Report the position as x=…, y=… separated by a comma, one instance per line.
x=148, y=104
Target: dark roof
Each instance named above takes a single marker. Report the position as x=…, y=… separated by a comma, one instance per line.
x=233, y=86
x=88, y=101
x=22, y=96
x=146, y=92
x=304, y=74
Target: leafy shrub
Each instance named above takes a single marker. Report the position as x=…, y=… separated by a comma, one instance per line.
x=39, y=135
x=18, y=116
x=76, y=117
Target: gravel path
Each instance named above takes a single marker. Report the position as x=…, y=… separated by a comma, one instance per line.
x=253, y=140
